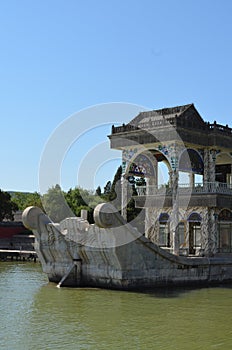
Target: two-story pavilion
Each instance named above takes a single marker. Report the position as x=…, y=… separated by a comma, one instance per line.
x=190, y=216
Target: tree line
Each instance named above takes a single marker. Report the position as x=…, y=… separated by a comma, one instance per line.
x=57, y=203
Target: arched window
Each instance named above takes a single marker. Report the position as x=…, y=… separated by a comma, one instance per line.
x=194, y=217
x=164, y=217
x=225, y=231
x=164, y=230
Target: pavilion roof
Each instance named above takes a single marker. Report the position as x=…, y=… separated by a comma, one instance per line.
x=167, y=113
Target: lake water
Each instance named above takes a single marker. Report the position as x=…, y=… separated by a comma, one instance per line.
x=37, y=315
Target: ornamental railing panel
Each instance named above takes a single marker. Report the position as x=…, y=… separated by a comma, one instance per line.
x=185, y=188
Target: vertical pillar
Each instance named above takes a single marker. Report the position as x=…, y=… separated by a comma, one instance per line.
x=152, y=181
x=191, y=180
x=187, y=235
x=205, y=230
x=124, y=199
x=175, y=212
x=229, y=178
x=209, y=168
x=151, y=186
x=213, y=232
x=150, y=223
x=170, y=179
x=209, y=232
x=212, y=164
x=206, y=166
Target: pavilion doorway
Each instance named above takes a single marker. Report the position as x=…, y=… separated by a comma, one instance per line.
x=194, y=221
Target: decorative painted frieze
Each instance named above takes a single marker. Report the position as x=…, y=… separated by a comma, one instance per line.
x=127, y=156
x=171, y=152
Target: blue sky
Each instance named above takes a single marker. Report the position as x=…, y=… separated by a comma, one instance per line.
x=59, y=57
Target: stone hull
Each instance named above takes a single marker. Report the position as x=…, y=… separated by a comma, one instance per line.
x=157, y=268
x=138, y=264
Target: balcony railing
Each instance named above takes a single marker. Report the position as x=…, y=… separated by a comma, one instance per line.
x=185, y=188
x=154, y=123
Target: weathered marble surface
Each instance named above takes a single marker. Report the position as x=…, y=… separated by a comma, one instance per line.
x=115, y=255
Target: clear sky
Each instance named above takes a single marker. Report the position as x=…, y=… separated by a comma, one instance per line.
x=62, y=56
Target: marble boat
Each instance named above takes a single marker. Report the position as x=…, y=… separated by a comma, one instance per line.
x=187, y=234
x=112, y=254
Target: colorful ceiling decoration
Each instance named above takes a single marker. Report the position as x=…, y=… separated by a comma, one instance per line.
x=141, y=166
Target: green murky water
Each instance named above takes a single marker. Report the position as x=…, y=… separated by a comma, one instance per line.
x=37, y=315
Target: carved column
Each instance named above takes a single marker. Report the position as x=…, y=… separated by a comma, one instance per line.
x=206, y=166
x=213, y=232
x=209, y=232
x=205, y=229
x=212, y=163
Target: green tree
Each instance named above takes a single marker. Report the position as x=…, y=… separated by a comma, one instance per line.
x=98, y=191
x=107, y=188
x=112, y=190
x=55, y=204
x=24, y=200
x=75, y=198
x=79, y=198
x=7, y=206
x=116, y=185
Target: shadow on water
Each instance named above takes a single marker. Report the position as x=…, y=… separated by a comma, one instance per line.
x=170, y=292
x=178, y=291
